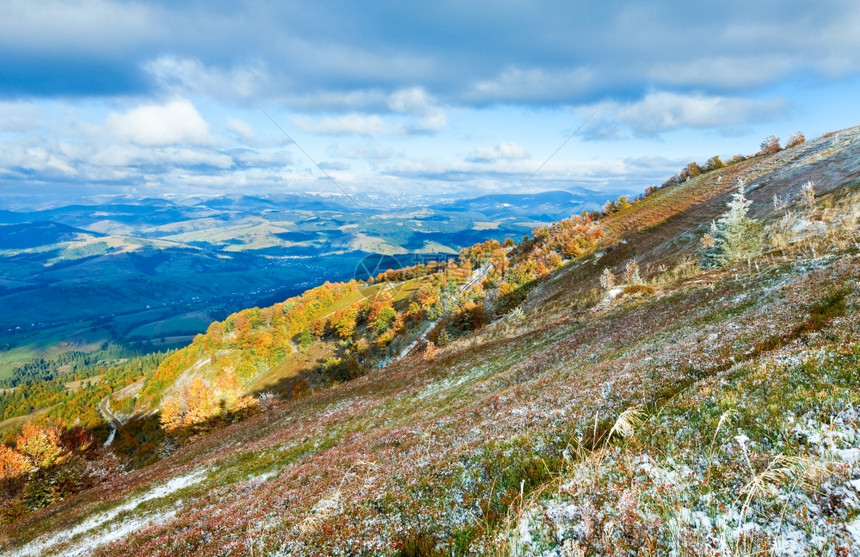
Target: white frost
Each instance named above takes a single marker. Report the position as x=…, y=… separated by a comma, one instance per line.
x=854, y=530
x=38, y=546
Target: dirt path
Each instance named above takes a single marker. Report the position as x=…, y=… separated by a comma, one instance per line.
x=110, y=418
x=477, y=276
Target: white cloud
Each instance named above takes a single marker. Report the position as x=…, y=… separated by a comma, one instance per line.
x=176, y=122
x=505, y=150
x=663, y=111
x=16, y=117
x=85, y=25
x=119, y=156
x=189, y=76
x=415, y=112
x=532, y=84
x=466, y=177
x=413, y=100
x=417, y=102
x=333, y=165
x=240, y=127
x=723, y=72
x=355, y=124
x=367, y=151
x=353, y=100
x=255, y=158
x=40, y=159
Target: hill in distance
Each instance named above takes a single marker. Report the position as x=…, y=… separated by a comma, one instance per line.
x=149, y=274
x=675, y=376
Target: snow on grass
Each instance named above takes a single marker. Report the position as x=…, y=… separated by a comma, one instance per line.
x=123, y=527
x=452, y=382
x=854, y=530
x=734, y=380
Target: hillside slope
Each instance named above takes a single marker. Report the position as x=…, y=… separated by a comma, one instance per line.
x=686, y=411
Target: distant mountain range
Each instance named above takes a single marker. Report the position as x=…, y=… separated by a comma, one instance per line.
x=642, y=383
x=158, y=270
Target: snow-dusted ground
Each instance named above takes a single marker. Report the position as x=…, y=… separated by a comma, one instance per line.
x=124, y=526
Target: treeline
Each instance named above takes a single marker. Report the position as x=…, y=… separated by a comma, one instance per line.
x=45, y=386
x=359, y=321
x=536, y=257
x=769, y=146
x=77, y=365
x=251, y=340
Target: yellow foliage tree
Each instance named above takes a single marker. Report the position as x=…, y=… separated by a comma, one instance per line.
x=198, y=401
x=172, y=414
x=12, y=463
x=40, y=444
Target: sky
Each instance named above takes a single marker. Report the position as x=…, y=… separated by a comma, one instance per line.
x=103, y=98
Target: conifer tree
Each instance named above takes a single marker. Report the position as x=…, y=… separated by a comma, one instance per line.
x=735, y=236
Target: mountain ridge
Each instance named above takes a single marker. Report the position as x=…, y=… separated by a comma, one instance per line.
x=570, y=417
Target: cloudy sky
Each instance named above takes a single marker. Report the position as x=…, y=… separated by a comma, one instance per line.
x=99, y=97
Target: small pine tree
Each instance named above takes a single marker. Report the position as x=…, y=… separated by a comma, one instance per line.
x=443, y=338
x=430, y=352
x=735, y=236
x=607, y=280
x=517, y=315
x=807, y=193
x=631, y=273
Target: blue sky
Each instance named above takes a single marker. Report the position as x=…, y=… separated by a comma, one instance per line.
x=453, y=98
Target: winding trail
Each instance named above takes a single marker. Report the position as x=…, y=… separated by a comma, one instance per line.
x=110, y=417
x=476, y=278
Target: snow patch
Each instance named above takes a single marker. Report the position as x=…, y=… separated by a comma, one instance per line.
x=37, y=547
x=849, y=456
x=854, y=530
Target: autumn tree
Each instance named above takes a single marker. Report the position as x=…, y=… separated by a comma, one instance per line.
x=714, y=163
x=12, y=464
x=619, y=204
x=201, y=402
x=318, y=327
x=40, y=444
x=500, y=260
x=692, y=170
x=426, y=296
x=770, y=146
x=795, y=139
x=381, y=320
x=172, y=414
x=198, y=401
x=430, y=352
x=344, y=322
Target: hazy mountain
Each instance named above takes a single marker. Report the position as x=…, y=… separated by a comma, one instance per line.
x=116, y=260
x=678, y=376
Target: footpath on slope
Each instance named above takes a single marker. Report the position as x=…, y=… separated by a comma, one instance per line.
x=477, y=276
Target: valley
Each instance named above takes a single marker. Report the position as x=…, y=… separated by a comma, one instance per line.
x=150, y=274
x=640, y=380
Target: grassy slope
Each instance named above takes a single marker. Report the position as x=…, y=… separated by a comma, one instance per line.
x=500, y=442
